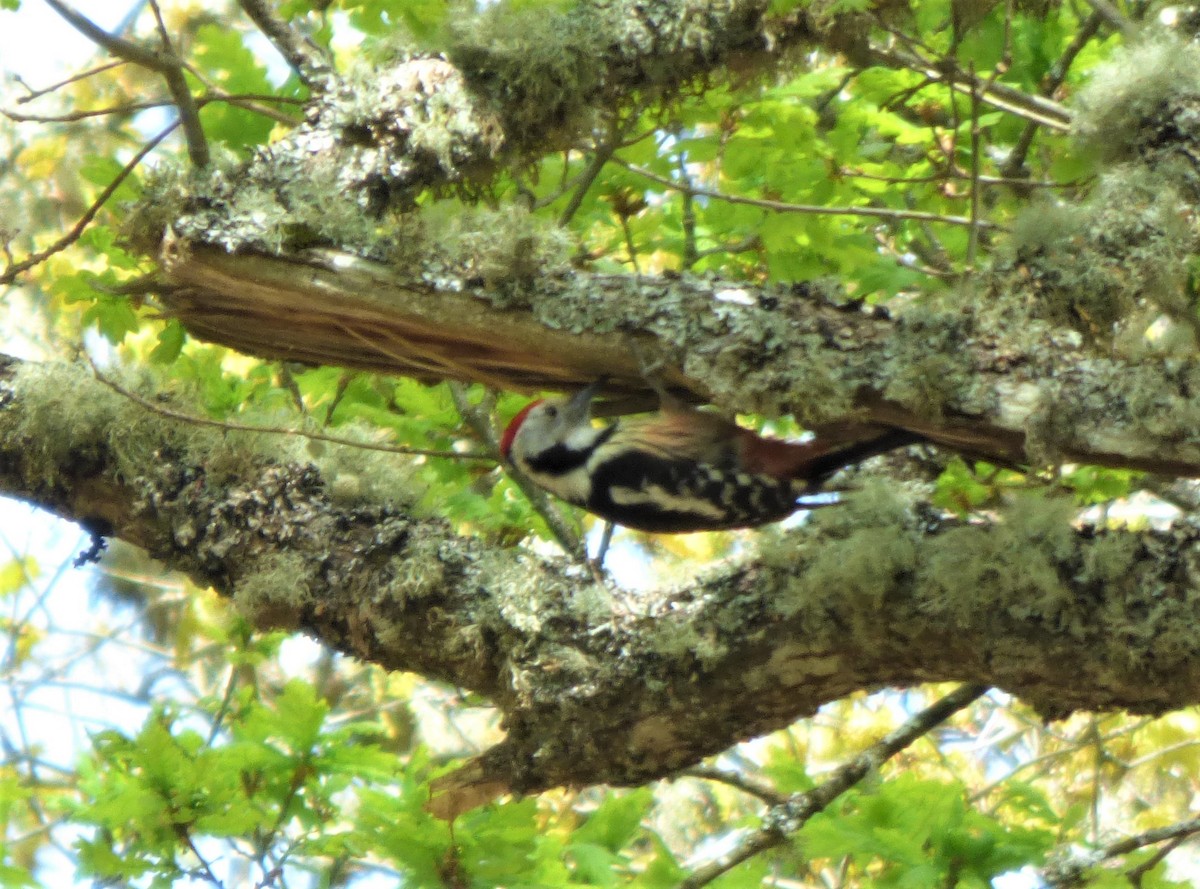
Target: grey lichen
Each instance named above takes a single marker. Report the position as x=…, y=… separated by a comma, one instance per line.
x=1144, y=105
x=1012, y=568
x=540, y=66
x=507, y=251
x=275, y=589
x=69, y=419
x=1092, y=266
x=417, y=573
x=929, y=368
x=856, y=551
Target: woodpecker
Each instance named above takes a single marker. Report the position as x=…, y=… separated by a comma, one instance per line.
x=677, y=470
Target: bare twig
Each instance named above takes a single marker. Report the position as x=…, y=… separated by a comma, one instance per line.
x=603, y=152
x=784, y=819
x=275, y=430
x=248, y=101
x=73, y=116
x=1054, y=79
x=55, y=87
x=1113, y=16
x=1135, y=874
x=1071, y=870
x=164, y=63
x=308, y=60
x=118, y=46
x=1181, y=829
x=741, y=782
x=14, y=269
x=1001, y=96
x=973, y=231
x=785, y=207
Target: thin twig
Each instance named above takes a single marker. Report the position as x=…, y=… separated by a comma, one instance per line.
x=1135, y=874
x=784, y=207
x=311, y=64
x=181, y=93
x=745, y=245
x=275, y=430
x=1113, y=16
x=741, y=782
x=74, y=78
x=247, y=101
x=1150, y=837
x=1071, y=870
x=1054, y=79
x=14, y=269
x=118, y=46
x=783, y=820
x=164, y=63
x=973, y=231
x=604, y=151
x=73, y=116
x=1001, y=96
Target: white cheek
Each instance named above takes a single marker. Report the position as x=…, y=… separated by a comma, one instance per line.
x=580, y=438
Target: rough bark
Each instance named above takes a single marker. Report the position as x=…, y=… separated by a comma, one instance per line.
x=1016, y=394
x=875, y=593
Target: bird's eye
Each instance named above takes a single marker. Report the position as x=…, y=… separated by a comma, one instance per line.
x=551, y=411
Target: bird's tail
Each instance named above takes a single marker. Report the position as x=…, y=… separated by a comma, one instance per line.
x=821, y=467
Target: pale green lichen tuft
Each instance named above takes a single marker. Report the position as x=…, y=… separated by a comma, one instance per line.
x=932, y=367
x=418, y=573
x=857, y=551
x=1092, y=266
x=540, y=66
x=1144, y=99
x=1013, y=567
x=276, y=589
x=507, y=251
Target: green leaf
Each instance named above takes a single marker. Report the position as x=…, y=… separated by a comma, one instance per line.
x=103, y=170
x=221, y=54
x=113, y=316
x=615, y=820
x=15, y=877
x=594, y=865
x=170, y=343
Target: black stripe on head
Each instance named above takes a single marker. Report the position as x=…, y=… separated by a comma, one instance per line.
x=560, y=459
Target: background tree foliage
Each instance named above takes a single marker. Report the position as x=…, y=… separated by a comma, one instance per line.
x=1017, y=163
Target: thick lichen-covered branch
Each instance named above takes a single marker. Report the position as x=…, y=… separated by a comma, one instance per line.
x=511, y=85
x=877, y=592
x=1017, y=394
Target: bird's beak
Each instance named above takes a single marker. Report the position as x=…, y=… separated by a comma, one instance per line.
x=579, y=408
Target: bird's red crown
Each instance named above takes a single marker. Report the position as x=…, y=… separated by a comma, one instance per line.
x=510, y=432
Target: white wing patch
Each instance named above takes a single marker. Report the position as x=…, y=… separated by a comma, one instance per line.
x=663, y=500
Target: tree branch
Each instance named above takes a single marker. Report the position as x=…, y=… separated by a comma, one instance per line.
x=591, y=693
x=311, y=63
x=785, y=818
x=960, y=380
x=164, y=63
